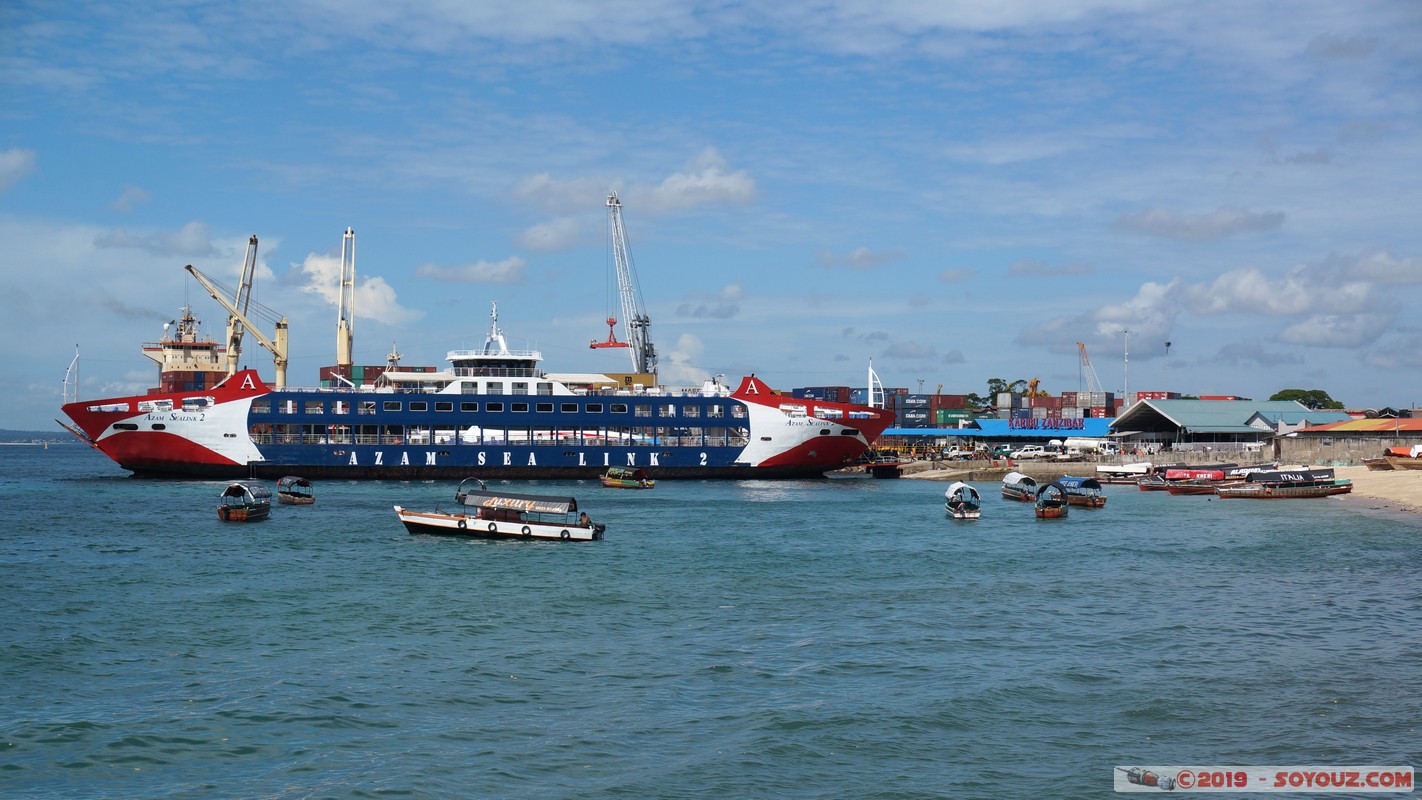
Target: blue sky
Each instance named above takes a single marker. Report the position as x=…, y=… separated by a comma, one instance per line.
x=957, y=190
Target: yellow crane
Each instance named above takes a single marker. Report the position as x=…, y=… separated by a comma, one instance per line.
x=277, y=347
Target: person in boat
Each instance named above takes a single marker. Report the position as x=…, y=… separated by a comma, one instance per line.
x=583, y=520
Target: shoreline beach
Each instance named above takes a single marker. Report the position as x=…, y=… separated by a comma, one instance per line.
x=1401, y=488
x=1387, y=490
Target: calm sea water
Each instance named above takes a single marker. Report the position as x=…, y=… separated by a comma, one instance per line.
x=828, y=639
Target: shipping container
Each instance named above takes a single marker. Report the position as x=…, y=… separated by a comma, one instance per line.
x=949, y=401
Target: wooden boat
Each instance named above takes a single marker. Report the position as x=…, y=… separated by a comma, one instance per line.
x=1405, y=457
x=1378, y=464
x=962, y=501
x=295, y=491
x=505, y=515
x=1016, y=486
x=1085, y=492
x=1197, y=486
x=244, y=503
x=1051, y=501
x=1287, y=484
x=1155, y=482
x=1126, y=474
x=627, y=478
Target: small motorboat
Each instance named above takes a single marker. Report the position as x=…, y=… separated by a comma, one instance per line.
x=627, y=478
x=295, y=491
x=1052, y=501
x=244, y=503
x=1016, y=486
x=505, y=515
x=962, y=501
x=1084, y=492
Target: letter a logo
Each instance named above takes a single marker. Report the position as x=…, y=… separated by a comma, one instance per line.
x=247, y=382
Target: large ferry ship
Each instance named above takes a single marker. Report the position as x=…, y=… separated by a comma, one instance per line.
x=492, y=412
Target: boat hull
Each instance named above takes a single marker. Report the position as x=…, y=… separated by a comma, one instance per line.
x=1258, y=492
x=243, y=429
x=248, y=513
x=434, y=523
x=1051, y=511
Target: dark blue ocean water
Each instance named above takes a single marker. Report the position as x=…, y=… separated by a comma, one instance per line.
x=828, y=639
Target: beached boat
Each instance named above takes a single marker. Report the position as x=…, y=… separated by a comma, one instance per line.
x=1405, y=457
x=245, y=503
x=505, y=515
x=1154, y=482
x=962, y=501
x=1197, y=486
x=1123, y=473
x=1084, y=492
x=294, y=490
x=1052, y=501
x=1016, y=486
x=626, y=478
x=1288, y=483
x=1380, y=464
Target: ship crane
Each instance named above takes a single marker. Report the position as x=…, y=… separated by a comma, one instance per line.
x=636, y=323
x=1093, y=384
x=277, y=344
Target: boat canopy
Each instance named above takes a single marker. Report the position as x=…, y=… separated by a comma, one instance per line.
x=1018, y=478
x=1079, y=483
x=248, y=492
x=626, y=472
x=1290, y=475
x=1050, y=488
x=293, y=482
x=517, y=502
x=959, y=488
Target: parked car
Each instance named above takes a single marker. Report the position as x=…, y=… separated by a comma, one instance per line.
x=1030, y=451
x=1002, y=450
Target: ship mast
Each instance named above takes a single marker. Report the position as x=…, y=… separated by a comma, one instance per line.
x=635, y=321
x=241, y=301
x=345, y=314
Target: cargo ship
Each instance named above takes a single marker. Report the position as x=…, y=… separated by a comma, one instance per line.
x=491, y=412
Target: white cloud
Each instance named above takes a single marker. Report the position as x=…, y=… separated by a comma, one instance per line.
x=724, y=304
x=131, y=196
x=677, y=366
x=374, y=299
x=553, y=235
x=1031, y=266
x=1199, y=227
x=510, y=270
x=1337, y=330
x=704, y=180
x=193, y=241
x=858, y=258
x=15, y=164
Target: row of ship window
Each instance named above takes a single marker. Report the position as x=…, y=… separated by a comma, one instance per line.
x=493, y=406
x=281, y=433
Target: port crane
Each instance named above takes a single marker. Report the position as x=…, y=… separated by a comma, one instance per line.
x=345, y=310
x=636, y=323
x=237, y=320
x=1093, y=384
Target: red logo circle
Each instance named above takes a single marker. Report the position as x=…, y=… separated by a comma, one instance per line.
x=1185, y=779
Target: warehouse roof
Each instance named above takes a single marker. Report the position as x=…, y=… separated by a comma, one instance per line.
x=1203, y=416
